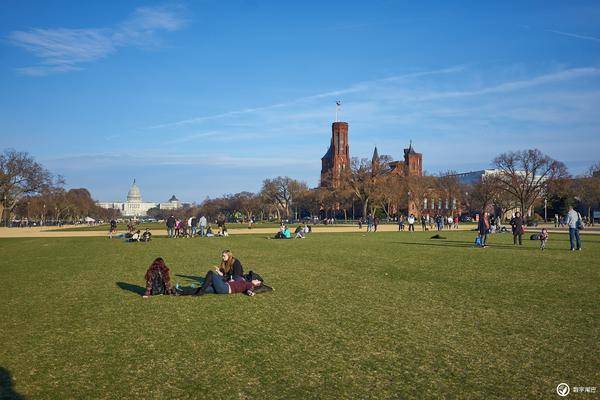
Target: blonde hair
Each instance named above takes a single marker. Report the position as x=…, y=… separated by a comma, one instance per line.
x=226, y=266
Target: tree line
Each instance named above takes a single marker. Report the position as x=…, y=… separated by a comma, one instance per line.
x=521, y=180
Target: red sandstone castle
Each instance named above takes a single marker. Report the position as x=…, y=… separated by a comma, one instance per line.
x=337, y=158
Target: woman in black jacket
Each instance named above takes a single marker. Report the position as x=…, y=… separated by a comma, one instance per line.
x=230, y=267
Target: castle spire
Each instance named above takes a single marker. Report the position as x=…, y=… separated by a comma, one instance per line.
x=375, y=156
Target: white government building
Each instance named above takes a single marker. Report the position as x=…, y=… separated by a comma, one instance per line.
x=135, y=207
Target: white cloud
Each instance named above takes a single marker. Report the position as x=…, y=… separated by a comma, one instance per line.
x=64, y=49
x=574, y=35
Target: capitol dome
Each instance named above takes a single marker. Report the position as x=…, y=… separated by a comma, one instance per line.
x=134, y=193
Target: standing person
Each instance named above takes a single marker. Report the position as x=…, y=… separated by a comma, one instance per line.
x=113, y=228
x=455, y=221
x=203, y=223
x=375, y=223
x=400, y=222
x=360, y=222
x=516, y=224
x=411, y=223
x=450, y=221
x=194, y=225
x=423, y=223
x=543, y=238
x=556, y=220
x=575, y=223
x=370, y=223
x=171, y=226
x=484, y=228
x=177, y=227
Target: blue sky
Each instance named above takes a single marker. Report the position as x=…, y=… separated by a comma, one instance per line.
x=210, y=97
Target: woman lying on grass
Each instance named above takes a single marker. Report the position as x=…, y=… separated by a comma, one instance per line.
x=214, y=283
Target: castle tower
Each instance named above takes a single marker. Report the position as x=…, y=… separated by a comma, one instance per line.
x=413, y=162
x=337, y=158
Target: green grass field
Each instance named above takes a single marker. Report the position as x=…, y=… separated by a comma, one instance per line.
x=388, y=315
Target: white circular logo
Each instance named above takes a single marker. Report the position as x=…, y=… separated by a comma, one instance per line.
x=563, y=389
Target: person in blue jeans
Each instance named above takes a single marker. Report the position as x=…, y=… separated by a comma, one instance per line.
x=574, y=222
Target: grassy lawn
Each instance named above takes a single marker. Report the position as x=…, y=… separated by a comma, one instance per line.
x=389, y=315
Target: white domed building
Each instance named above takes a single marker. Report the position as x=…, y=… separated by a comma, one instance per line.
x=136, y=207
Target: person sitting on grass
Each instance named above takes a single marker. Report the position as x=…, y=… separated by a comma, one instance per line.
x=223, y=231
x=158, y=279
x=230, y=268
x=284, y=233
x=146, y=236
x=299, y=232
x=209, y=232
x=135, y=237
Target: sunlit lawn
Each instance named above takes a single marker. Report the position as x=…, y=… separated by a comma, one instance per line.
x=389, y=315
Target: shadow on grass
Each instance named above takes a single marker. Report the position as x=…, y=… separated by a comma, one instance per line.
x=6, y=386
x=132, y=288
x=461, y=244
x=196, y=278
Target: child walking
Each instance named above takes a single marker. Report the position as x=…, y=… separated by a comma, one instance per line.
x=543, y=238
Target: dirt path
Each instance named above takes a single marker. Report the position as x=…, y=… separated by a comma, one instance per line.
x=52, y=232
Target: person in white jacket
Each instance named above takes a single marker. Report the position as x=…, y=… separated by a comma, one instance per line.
x=574, y=222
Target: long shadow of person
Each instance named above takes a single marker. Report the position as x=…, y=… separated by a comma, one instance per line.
x=198, y=279
x=6, y=386
x=132, y=288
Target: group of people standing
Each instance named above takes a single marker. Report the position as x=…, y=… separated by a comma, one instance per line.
x=518, y=227
x=192, y=227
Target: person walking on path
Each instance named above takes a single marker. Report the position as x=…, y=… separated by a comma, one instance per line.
x=484, y=229
x=203, y=222
x=171, y=226
x=575, y=223
x=517, y=228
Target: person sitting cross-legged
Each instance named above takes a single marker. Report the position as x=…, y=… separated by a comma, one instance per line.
x=158, y=279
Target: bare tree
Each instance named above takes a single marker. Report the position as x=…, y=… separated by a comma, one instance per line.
x=587, y=189
x=282, y=191
x=483, y=194
x=526, y=175
x=449, y=188
x=361, y=180
x=20, y=176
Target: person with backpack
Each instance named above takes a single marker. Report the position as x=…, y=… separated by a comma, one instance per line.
x=158, y=279
x=516, y=224
x=575, y=223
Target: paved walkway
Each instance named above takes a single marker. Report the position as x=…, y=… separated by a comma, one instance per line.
x=52, y=231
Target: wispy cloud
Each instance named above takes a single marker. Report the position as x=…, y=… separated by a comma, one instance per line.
x=65, y=49
x=357, y=87
x=574, y=35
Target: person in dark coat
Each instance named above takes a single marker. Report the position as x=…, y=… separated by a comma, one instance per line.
x=171, y=226
x=516, y=224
